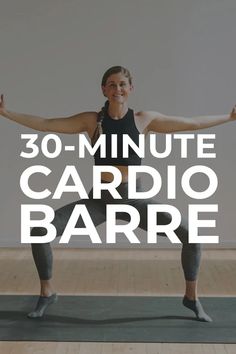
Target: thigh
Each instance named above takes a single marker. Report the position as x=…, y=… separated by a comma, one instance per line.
x=96, y=209
x=162, y=218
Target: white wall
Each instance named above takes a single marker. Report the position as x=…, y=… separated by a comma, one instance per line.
x=53, y=54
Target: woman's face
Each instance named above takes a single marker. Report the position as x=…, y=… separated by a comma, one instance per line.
x=117, y=88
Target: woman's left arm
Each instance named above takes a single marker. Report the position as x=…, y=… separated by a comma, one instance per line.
x=157, y=122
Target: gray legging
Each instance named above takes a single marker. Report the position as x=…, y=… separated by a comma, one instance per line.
x=42, y=253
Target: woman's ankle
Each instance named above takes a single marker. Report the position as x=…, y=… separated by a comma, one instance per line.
x=191, y=290
x=191, y=296
x=46, y=288
x=46, y=293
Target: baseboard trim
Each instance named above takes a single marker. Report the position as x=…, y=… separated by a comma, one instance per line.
x=163, y=243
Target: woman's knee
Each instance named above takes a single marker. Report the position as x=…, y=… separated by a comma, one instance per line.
x=183, y=235
x=193, y=247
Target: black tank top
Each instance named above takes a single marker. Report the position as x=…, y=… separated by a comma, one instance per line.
x=125, y=125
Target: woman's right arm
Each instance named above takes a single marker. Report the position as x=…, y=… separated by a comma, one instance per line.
x=77, y=123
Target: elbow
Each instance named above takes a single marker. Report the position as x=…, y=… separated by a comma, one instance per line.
x=194, y=125
x=45, y=125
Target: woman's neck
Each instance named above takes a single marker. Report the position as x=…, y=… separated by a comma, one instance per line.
x=117, y=111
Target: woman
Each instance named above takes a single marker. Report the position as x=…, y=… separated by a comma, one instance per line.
x=115, y=117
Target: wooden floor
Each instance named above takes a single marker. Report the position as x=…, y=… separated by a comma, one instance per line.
x=117, y=272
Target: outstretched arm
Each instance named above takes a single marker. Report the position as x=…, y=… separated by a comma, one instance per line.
x=74, y=124
x=157, y=122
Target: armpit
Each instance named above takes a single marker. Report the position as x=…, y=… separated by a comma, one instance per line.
x=142, y=120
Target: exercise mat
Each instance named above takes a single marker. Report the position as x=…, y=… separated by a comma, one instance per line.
x=118, y=319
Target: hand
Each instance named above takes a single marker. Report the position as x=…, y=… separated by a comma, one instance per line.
x=2, y=105
x=233, y=113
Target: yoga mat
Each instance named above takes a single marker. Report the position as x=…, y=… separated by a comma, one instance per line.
x=117, y=319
